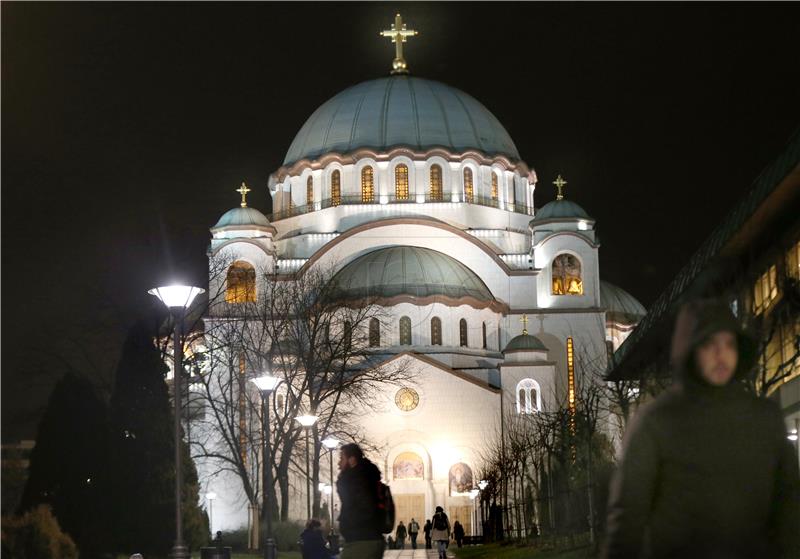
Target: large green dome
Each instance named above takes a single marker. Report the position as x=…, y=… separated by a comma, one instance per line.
x=400, y=111
x=412, y=271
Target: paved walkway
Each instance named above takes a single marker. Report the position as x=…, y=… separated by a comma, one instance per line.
x=409, y=553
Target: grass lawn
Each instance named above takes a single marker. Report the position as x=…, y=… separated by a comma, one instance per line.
x=496, y=551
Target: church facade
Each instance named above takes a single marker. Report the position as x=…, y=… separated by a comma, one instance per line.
x=413, y=191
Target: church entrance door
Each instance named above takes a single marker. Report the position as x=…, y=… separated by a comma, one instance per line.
x=464, y=515
x=410, y=506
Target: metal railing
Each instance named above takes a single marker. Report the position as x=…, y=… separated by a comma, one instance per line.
x=393, y=199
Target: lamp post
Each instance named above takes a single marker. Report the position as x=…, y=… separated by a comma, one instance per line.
x=177, y=299
x=307, y=421
x=331, y=444
x=210, y=498
x=482, y=484
x=266, y=384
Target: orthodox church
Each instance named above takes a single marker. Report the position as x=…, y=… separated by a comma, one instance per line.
x=412, y=190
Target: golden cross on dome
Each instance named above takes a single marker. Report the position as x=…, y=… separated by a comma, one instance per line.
x=559, y=182
x=243, y=190
x=524, y=321
x=398, y=34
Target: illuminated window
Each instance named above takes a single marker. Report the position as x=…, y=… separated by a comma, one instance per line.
x=494, y=186
x=790, y=348
x=374, y=332
x=567, y=275
x=241, y=283
x=765, y=290
x=571, y=404
x=401, y=182
x=310, y=191
x=436, y=331
x=793, y=261
x=462, y=333
x=529, y=396
x=484, y=336
x=436, y=183
x=367, y=185
x=405, y=331
x=336, y=188
x=469, y=189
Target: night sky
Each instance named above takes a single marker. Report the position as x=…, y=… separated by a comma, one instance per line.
x=127, y=127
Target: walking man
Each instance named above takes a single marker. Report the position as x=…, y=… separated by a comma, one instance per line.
x=441, y=532
x=706, y=469
x=413, y=530
x=359, y=522
x=427, y=529
x=400, y=535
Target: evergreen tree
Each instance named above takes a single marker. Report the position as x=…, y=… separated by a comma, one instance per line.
x=142, y=456
x=68, y=462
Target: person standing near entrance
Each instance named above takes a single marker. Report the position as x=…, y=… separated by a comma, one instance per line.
x=706, y=470
x=413, y=530
x=400, y=536
x=359, y=522
x=440, y=532
x=458, y=533
x=427, y=529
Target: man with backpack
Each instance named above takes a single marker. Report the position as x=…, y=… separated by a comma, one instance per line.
x=440, y=532
x=427, y=529
x=360, y=522
x=413, y=530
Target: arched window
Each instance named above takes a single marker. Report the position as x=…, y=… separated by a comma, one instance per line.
x=494, y=186
x=310, y=190
x=484, y=336
x=241, y=283
x=436, y=331
x=469, y=190
x=336, y=188
x=567, y=275
x=529, y=396
x=462, y=332
x=367, y=185
x=401, y=182
x=405, y=331
x=374, y=332
x=436, y=183
x=512, y=195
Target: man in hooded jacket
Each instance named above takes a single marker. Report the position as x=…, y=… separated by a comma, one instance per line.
x=357, y=485
x=707, y=470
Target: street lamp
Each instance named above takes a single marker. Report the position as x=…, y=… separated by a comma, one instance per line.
x=210, y=498
x=331, y=444
x=307, y=421
x=482, y=484
x=266, y=385
x=177, y=299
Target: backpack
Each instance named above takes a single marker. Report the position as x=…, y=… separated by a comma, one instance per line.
x=385, y=508
x=440, y=521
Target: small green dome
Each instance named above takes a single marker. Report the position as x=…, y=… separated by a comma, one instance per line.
x=407, y=270
x=242, y=217
x=560, y=209
x=525, y=342
x=619, y=304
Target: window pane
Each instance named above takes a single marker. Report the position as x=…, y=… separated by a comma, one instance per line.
x=469, y=191
x=401, y=182
x=436, y=183
x=336, y=188
x=367, y=185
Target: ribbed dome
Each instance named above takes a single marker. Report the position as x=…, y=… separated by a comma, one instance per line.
x=242, y=217
x=400, y=111
x=406, y=270
x=560, y=209
x=525, y=342
x=619, y=304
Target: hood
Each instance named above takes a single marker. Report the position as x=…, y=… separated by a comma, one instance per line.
x=697, y=320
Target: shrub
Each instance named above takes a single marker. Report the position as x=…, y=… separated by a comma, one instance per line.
x=36, y=535
x=286, y=535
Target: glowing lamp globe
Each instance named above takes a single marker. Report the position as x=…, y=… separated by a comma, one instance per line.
x=330, y=443
x=265, y=383
x=307, y=420
x=176, y=296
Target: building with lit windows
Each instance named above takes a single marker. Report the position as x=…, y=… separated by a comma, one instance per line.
x=413, y=192
x=752, y=259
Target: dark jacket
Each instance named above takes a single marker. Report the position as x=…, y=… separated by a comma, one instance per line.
x=706, y=471
x=358, y=492
x=400, y=534
x=314, y=544
x=458, y=530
